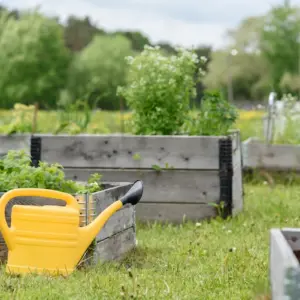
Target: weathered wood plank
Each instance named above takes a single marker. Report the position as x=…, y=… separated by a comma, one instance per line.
x=115, y=247
x=292, y=236
x=273, y=157
x=173, y=212
x=128, y=151
x=14, y=142
x=237, y=179
x=163, y=186
x=282, y=263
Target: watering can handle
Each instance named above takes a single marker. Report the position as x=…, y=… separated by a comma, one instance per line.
x=29, y=192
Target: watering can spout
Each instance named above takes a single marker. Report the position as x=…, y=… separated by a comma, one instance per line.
x=89, y=232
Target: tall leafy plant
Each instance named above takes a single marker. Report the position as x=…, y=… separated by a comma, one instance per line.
x=74, y=117
x=216, y=116
x=159, y=90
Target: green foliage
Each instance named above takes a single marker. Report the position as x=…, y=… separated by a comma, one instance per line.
x=16, y=172
x=159, y=90
x=280, y=42
x=98, y=69
x=79, y=32
x=75, y=117
x=138, y=40
x=249, y=73
x=33, y=60
x=246, y=37
x=21, y=121
x=290, y=82
x=216, y=116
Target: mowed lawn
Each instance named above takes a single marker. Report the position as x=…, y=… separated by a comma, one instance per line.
x=208, y=260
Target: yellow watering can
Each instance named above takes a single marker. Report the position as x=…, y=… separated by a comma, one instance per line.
x=48, y=238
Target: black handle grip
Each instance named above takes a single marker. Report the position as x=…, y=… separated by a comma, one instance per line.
x=134, y=195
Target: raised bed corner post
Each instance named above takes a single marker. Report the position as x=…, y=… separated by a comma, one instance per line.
x=35, y=150
x=225, y=175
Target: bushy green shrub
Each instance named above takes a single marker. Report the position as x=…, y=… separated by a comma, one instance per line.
x=159, y=90
x=16, y=172
x=216, y=116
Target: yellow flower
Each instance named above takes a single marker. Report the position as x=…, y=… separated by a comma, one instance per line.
x=251, y=114
x=125, y=116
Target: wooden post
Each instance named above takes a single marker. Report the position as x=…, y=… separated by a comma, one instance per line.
x=34, y=119
x=121, y=115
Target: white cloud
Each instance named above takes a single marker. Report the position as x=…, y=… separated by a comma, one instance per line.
x=188, y=22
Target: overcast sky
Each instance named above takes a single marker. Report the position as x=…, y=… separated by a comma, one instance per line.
x=184, y=22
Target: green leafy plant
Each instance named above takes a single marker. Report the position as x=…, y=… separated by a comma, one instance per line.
x=21, y=122
x=216, y=116
x=74, y=117
x=159, y=90
x=16, y=172
x=220, y=207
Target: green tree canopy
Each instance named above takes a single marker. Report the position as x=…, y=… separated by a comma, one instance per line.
x=280, y=42
x=247, y=36
x=249, y=73
x=33, y=60
x=248, y=69
x=98, y=70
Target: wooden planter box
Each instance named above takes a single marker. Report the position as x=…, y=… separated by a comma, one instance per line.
x=257, y=154
x=184, y=176
x=284, y=263
x=14, y=142
x=117, y=236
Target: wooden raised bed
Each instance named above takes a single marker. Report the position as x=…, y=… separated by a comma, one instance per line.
x=284, y=263
x=117, y=236
x=182, y=175
x=14, y=142
x=257, y=154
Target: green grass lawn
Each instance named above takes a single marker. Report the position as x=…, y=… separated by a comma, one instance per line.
x=216, y=260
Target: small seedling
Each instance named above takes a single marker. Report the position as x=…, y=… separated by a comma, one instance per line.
x=136, y=156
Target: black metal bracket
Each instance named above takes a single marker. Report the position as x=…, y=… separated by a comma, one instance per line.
x=35, y=150
x=225, y=175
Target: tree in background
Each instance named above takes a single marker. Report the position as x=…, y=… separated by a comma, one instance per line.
x=248, y=70
x=280, y=45
x=33, y=60
x=78, y=33
x=98, y=70
x=138, y=40
x=247, y=36
x=249, y=74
